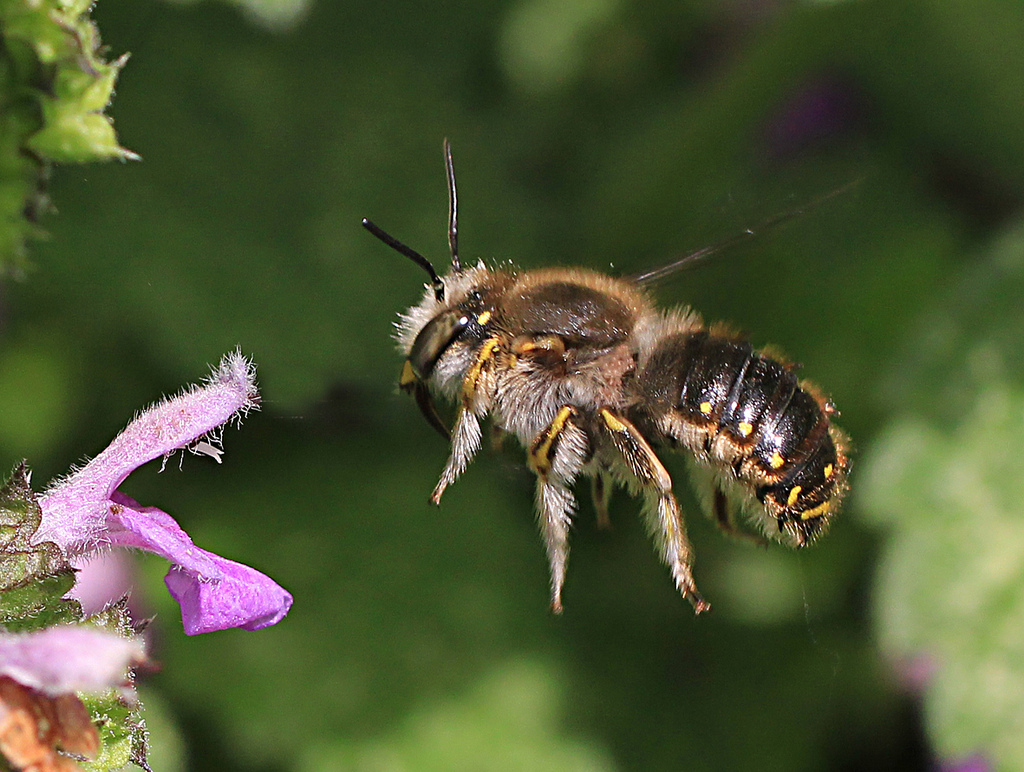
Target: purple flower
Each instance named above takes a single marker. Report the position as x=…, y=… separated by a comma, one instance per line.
x=64, y=659
x=84, y=512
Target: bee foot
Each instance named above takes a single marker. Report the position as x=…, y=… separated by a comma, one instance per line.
x=699, y=604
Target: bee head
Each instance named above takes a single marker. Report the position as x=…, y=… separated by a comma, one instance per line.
x=429, y=330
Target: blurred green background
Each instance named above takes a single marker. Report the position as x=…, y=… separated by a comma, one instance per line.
x=615, y=134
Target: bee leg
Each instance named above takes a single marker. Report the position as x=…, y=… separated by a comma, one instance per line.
x=601, y=492
x=661, y=508
x=497, y=437
x=727, y=522
x=477, y=388
x=465, y=444
x=556, y=457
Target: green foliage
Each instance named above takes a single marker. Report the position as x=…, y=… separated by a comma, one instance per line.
x=948, y=493
x=277, y=15
x=33, y=578
x=121, y=729
x=509, y=721
x=54, y=86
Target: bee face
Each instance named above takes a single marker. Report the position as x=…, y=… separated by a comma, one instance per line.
x=594, y=380
x=439, y=337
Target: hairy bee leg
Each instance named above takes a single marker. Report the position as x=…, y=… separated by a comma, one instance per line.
x=465, y=444
x=466, y=434
x=555, y=506
x=660, y=507
x=601, y=492
x=726, y=521
x=556, y=456
x=675, y=547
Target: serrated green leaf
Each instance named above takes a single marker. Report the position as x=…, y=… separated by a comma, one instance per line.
x=121, y=728
x=34, y=578
x=76, y=137
x=114, y=618
x=18, y=567
x=53, y=86
x=39, y=604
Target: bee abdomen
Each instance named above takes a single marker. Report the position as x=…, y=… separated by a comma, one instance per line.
x=742, y=410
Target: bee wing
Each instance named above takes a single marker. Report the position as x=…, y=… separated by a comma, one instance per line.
x=693, y=258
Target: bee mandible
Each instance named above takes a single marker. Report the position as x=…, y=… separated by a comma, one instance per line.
x=593, y=380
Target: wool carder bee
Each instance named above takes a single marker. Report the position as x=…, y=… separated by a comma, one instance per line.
x=592, y=379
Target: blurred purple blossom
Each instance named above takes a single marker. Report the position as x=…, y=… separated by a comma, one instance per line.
x=814, y=112
x=914, y=672
x=102, y=578
x=64, y=659
x=84, y=513
x=973, y=763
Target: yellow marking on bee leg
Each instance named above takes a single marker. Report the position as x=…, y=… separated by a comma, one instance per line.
x=776, y=461
x=829, y=470
x=794, y=494
x=612, y=421
x=469, y=383
x=705, y=408
x=408, y=378
x=746, y=428
x=484, y=318
x=466, y=434
x=557, y=455
x=661, y=506
x=635, y=450
x=817, y=511
x=539, y=456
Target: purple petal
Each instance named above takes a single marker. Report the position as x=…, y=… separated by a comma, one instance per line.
x=243, y=597
x=76, y=508
x=178, y=422
x=85, y=513
x=214, y=593
x=153, y=530
x=65, y=659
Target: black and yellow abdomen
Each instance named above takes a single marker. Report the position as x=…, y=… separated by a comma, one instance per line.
x=745, y=413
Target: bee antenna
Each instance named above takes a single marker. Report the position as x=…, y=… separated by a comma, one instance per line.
x=453, y=207
x=412, y=254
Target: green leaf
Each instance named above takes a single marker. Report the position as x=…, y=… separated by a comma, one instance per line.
x=949, y=594
x=121, y=728
x=33, y=577
x=54, y=85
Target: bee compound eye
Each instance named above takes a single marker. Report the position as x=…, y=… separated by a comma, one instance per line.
x=434, y=339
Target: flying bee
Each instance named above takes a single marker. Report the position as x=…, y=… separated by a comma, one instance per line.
x=593, y=379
